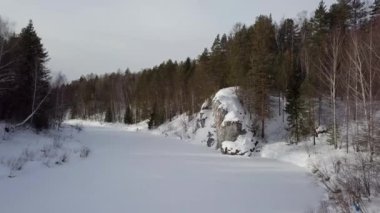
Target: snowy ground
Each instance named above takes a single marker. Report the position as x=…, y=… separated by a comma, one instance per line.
x=140, y=172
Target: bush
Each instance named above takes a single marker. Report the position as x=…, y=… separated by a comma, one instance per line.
x=27, y=155
x=64, y=158
x=78, y=127
x=16, y=164
x=84, y=152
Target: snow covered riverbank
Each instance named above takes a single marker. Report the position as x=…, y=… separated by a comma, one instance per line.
x=139, y=172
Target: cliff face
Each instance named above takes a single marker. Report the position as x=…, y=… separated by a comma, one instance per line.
x=222, y=123
x=231, y=122
x=226, y=130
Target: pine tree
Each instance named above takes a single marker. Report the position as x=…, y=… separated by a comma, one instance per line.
x=340, y=15
x=128, y=116
x=261, y=70
x=109, y=115
x=32, y=79
x=153, y=120
x=219, y=69
x=298, y=125
x=375, y=9
x=358, y=13
x=320, y=23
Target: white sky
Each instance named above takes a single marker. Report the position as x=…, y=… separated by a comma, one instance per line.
x=99, y=36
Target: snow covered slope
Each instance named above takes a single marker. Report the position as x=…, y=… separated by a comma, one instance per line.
x=24, y=151
x=140, y=172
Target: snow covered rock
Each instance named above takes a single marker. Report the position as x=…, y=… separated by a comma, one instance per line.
x=242, y=146
x=221, y=119
x=230, y=147
x=321, y=129
x=231, y=121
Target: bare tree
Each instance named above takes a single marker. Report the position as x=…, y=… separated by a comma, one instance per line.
x=330, y=73
x=5, y=74
x=59, y=109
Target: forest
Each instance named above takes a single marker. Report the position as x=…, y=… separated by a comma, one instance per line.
x=28, y=94
x=332, y=56
x=312, y=71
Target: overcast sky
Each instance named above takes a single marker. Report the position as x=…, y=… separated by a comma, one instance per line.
x=99, y=36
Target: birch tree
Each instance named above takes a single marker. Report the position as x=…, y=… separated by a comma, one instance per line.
x=330, y=72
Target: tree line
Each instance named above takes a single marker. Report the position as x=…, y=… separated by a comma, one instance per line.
x=329, y=56
x=28, y=95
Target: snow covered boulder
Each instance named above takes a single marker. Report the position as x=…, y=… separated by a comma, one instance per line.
x=242, y=146
x=230, y=120
x=229, y=147
x=230, y=131
x=320, y=130
x=221, y=119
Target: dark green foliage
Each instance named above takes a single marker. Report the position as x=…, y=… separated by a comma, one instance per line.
x=340, y=15
x=375, y=9
x=261, y=72
x=155, y=118
x=331, y=139
x=109, y=116
x=128, y=119
x=264, y=59
x=29, y=83
x=298, y=125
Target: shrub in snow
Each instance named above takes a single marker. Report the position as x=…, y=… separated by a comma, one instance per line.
x=229, y=147
x=57, y=144
x=62, y=159
x=210, y=139
x=243, y=145
x=16, y=164
x=28, y=155
x=48, y=151
x=334, y=137
x=350, y=180
x=84, y=152
x=78, y=127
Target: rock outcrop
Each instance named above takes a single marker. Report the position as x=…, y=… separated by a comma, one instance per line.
x=225, y=130
x=222, y=123
x=231, y=121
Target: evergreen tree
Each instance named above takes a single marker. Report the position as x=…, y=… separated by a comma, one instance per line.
x=358, y=13
x=32, y=79
x=261, y=70
x=128, y=116
x=239, y=55
x=340, y=15
x=109, y=115
x=219, y=69
x=298, y=125
x=320, y=23
x=375, y=9
x=154, y=118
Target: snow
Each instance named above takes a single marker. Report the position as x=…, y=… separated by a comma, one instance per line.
x=296, y=155
x=141, y=172
x=229, y=102
x=321, y=129
x=242, y=146
x=229, y=146
x=169, y=169
x=24, y=151
x=141, y=126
